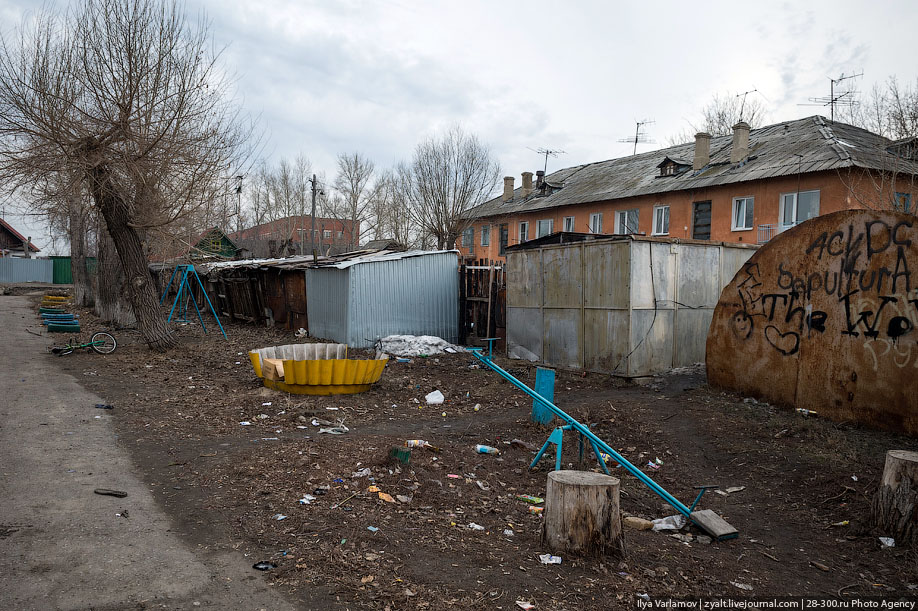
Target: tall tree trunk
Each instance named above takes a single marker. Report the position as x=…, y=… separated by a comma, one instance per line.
x=139, y=284
x=110, y=305
x=82, y=290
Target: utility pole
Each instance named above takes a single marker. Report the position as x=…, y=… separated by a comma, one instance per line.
x=312, y=233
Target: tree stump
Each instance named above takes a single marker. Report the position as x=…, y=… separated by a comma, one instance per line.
x=582, y=514
x=895, y=505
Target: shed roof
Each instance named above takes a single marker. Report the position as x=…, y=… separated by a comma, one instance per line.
x=812, y=144
x=7, y=227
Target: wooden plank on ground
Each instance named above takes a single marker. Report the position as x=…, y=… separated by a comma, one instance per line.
x=713, y=524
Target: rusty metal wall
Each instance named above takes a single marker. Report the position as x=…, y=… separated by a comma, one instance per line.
x=631, y=307
x=824, y=317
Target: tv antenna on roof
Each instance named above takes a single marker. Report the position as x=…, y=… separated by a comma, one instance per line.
x=743, y=103
x=547, y=152
x=639, y=136
x=836, y=99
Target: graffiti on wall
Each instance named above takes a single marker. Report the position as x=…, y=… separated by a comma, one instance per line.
x=839, y=295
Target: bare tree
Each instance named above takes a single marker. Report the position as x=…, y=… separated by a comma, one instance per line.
x=353, y=185
x=445, y=178
x=127, y=96
x=890, y=110
x=391, y=215
x=720, y=115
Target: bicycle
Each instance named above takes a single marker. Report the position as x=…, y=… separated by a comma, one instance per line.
x=101, y=342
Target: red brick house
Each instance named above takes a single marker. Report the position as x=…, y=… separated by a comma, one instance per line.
x=741, y=188
x=292, y=235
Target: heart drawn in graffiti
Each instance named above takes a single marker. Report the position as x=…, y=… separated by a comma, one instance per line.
x=785, y=343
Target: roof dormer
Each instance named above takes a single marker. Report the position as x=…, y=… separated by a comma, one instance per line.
x=673, y=167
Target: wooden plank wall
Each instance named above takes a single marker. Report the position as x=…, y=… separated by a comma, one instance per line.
x=482, y=302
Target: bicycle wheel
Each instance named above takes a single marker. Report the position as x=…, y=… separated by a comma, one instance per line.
x=103, y=343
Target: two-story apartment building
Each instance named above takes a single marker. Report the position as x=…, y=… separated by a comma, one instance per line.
x=741, y=188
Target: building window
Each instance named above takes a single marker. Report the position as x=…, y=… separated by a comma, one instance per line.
x=661, y=220
x=485, y=235
x=742, y=213
x=903, y=202
x=524, y=232
x=327, y=234
x=468, y=238
x=568, y=223
x=596, y=222
x=340, y=233
x=544, y=227
x=626, y=222
x=503, y=237
x=798, y=207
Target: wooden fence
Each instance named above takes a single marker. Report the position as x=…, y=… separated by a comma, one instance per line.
x=482, y=302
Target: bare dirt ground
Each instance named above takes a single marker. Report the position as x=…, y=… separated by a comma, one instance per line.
x=224, y=483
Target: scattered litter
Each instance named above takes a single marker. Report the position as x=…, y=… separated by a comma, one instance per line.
x=332, y=409
x=262, y=416
x=264, y=565
x=722, y=493
x=704, y=539
x=675, y=522
x=508, y=532
x=686, y=538
x=637, y=523
x=443, y=414
x=434, y=398
x=372, y=529
x=804, y=412
x=741, y=586
x=403, y=361
x=887, y=542
x=278, y=517
x=321, y=490
x=532, y=500
x=245, y=423
x=842, y=523
x=120, y=493
x=373, y=488
x=402, y=455
x=365, y=472
x=416, y=345
x=854, y=477
x=522, y=604
x=474, y=526
x=643, y=596
x=338, y=429
x=107, y=406
x=266, y=403
x=418, y=443
x=123, y=514
x=535, y=509
x=477, y=407
x=549, y=559
x=820, y=566
x=483, y=449
x=386, y=497
x=338, y=480
x=307, y=499
x=484, y=486
x=734, y=489
x=270, y=439
x=301, y=333
x=652, y=465
x=452, y=476
x=402, y=498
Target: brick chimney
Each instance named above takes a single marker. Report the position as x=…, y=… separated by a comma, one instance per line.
x=540, y=179
x=508, y=189
x=527, y=183
x=740, y=149
x=702, y=150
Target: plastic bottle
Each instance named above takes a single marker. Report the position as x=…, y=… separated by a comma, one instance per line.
x=416, y=443
x=482, y=449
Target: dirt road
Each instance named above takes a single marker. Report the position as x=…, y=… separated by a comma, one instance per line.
x=61, y=545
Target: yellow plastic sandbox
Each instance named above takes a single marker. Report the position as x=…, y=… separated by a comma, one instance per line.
x=319, y=369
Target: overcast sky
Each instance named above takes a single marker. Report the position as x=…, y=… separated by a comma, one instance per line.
x=377, y=77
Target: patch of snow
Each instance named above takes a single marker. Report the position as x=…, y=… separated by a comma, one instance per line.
x=416, y=345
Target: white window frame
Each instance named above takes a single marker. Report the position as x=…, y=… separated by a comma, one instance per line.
x=657, y=230
x=524, y=231
x=621, y=222
x=746, y=201
x=596, y=222
x=485, y=235
x=540, y=225
x=568, y=223
x=784, y=223
x=326, y=234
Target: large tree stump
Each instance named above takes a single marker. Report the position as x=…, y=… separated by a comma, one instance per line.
x=895, y=505
x=582, y=514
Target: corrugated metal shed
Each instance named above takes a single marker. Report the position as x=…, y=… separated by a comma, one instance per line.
x=773, y=151
x=627, y=305
x=14, y=269
x=359, y=299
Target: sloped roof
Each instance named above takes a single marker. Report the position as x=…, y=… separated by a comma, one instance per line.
x=812, y=144
x=18, y=235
